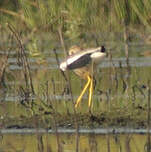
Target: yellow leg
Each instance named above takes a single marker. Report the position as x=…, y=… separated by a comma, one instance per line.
x=90, y=93
x=83, y=91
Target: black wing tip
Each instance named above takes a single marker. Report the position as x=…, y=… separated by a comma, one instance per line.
x=103, y=48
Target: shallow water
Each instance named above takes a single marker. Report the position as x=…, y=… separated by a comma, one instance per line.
x=42, y=72
x=99, y=131
x=90, y=140
x=111, y=75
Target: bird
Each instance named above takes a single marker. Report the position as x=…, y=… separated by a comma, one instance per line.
x=84, y=62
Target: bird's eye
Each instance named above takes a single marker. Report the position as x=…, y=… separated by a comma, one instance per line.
x=102, y=49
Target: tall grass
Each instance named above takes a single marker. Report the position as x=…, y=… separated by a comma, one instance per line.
x=76, y=16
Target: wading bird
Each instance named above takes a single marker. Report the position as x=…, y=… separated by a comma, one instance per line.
x=83, y=62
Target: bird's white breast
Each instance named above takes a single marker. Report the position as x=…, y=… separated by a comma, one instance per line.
x=63, y=66
x=97, y=57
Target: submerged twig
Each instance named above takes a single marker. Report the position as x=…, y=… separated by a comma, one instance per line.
x=134, y=87
x=40, y=142
x=122, y=78
x=24, y=60
x=53, y=116
x=127, y=143
x=3, y=87
x=112, y=68
x=148, y=119
x=126, y=34
x=58, y=63
x=54, y=86
x=108, y=143
x=3, y=65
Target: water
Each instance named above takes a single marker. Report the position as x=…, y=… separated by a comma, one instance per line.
x=51, y=67
x=112, y=75
x=44, y=69
x=90, y=140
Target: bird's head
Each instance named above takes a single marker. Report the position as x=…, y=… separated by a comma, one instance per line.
x=103, y=49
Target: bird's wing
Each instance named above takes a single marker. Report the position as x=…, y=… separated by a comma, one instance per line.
x=78, y=59
x=80, y=62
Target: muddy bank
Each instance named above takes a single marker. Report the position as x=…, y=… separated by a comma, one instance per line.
x=50, y=120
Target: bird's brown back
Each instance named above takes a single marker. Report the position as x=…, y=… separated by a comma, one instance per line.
x=84, y=71
x=74, y=49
